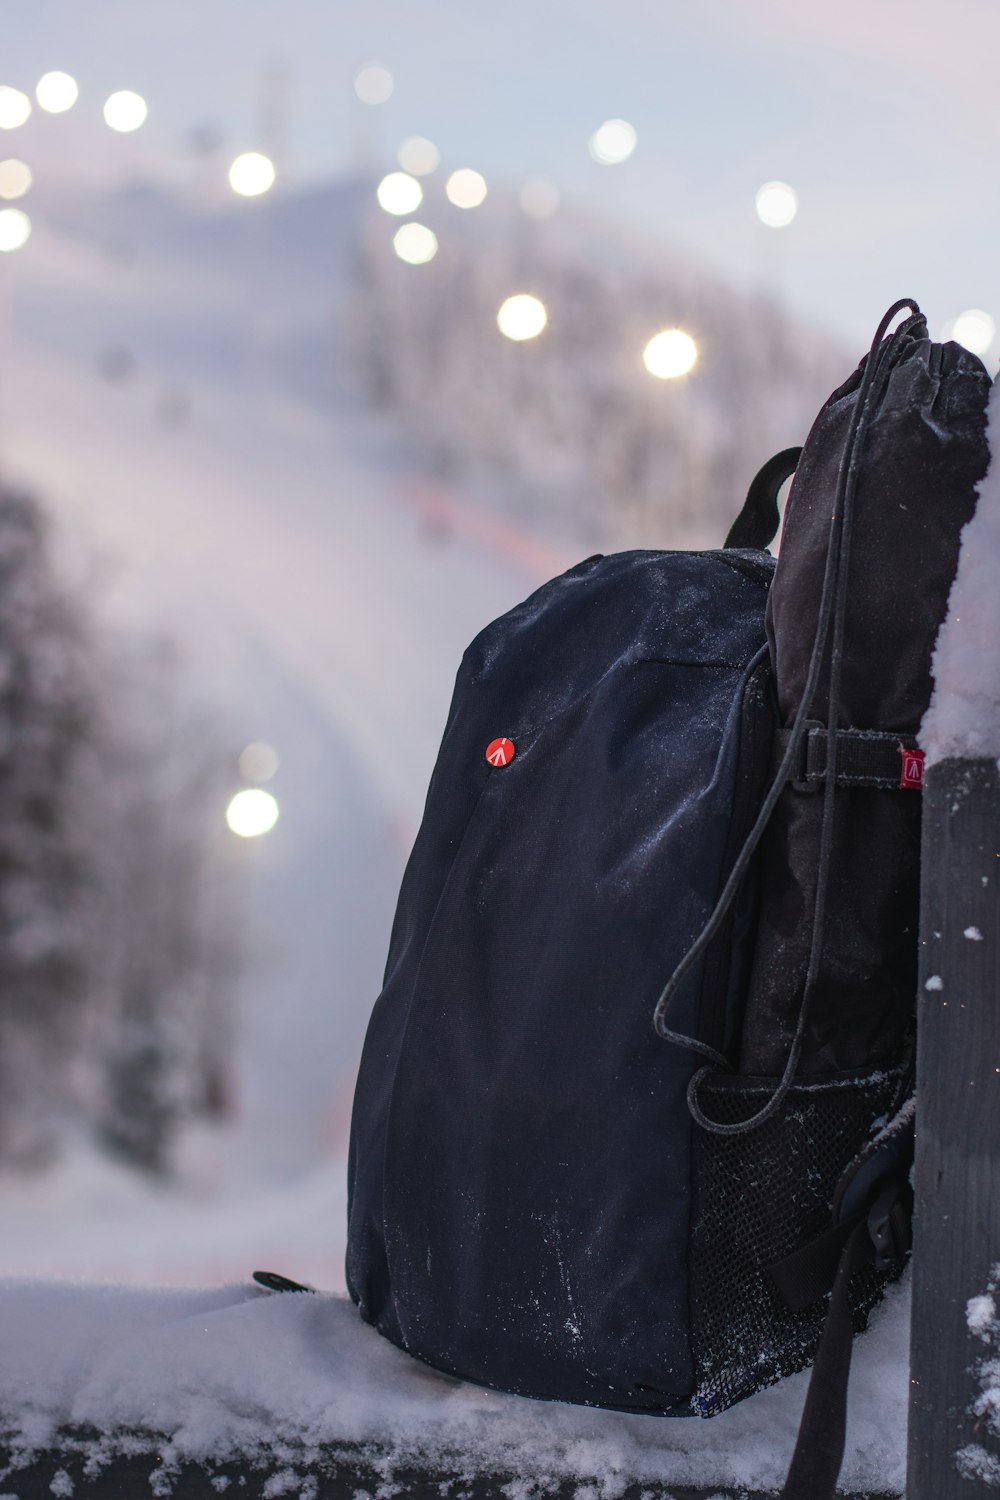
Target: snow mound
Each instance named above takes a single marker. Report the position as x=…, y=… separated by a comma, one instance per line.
x=963, y=719
x=288, y=1379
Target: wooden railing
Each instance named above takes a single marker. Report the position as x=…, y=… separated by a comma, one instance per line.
x=957, y=1218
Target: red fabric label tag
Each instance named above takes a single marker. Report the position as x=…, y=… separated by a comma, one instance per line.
x=499, y=752
x=912, y=774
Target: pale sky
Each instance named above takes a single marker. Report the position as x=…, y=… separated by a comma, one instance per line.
x=881, y=114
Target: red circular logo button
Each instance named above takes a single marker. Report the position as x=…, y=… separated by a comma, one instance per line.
x=500, y=752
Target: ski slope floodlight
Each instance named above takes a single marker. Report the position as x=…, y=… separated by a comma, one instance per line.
x=466, y=188
x=975, y=330
x=15, y=107
x=252, y=812
x=373, y=84
x=258, y=761
x=415, y=243
x=57, y=92
x=776, y=204
x=15, y=178
x=522, y=317
x=399, y=193
x=670, y=353
x=251, y=174
x=15, y=228
x=419, y=156
x=613, y=142
x=125, y=111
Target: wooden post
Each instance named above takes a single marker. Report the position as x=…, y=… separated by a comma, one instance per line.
x=957, y=1211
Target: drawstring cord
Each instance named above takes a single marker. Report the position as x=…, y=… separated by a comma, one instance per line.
x=883, y=356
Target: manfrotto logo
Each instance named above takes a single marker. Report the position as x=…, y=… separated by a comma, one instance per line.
x=500, y=752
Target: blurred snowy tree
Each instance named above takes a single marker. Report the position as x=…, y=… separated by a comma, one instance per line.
x=570, y=423
x=46, y=716
x=119, y=933
x=166, y=941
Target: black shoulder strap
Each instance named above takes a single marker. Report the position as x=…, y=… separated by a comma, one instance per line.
x=757, y=524
x=873, y=1210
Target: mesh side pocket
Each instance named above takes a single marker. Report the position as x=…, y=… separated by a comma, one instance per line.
x=756, y=1198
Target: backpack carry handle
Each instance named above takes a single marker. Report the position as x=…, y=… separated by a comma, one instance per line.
x=757, y=524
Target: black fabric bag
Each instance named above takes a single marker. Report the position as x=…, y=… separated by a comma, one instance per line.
x=637, y=779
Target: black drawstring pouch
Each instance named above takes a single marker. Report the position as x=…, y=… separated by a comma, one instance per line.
x=916, y=471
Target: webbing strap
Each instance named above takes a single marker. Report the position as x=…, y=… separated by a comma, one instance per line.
x=819, y=1448
x=865, y=758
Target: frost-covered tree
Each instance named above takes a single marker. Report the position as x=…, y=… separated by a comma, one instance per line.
x=46, y=717
x=166, y=949
x=570, y=424
x=119, y=950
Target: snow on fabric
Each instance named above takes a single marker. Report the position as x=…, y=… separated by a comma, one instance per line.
x=963, y=719
x=239, y=1374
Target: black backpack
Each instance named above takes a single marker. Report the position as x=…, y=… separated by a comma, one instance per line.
x=548, y=1194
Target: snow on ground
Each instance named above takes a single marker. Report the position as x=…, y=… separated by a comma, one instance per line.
x=93, y=1220
x=964, y=715
x=246, y=1375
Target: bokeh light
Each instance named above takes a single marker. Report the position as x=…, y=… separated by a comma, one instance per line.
x=125, y=111
x=670, y=353
x=466, y=188
x=251, y=174
x=974, y=329
x=522, y=317
x=259, y=761
x=373, y=84
x=56, y=92
x=15, y=178
x=15, y=227
x=539, y=198
x=776, y=204
x=613, y=142
x=415, y=243
x=419, y=156
x=252, y=812
x=15, y=107
x=399, y=193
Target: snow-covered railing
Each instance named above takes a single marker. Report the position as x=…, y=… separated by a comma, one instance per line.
x=130, y=1393
x=955, y=1376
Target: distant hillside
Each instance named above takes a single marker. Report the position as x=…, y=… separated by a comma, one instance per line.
x=570, y=423
x=304, y=294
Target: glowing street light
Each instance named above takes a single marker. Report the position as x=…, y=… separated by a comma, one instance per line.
x=466, y=188
x=776, y=204
x=415, y=243
x=399, y=193
x=522, y=317
x=373, y=84
x=975, y=330
x=258, y=761
x=670, y=353
x=613, y=142
x=15, y=178
x=15, y=227
x=251, y=174
x=419, y=156
x=56, y=92
x=252, y=812
x=15, y=107
x=125, y=111
x=539, y=198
